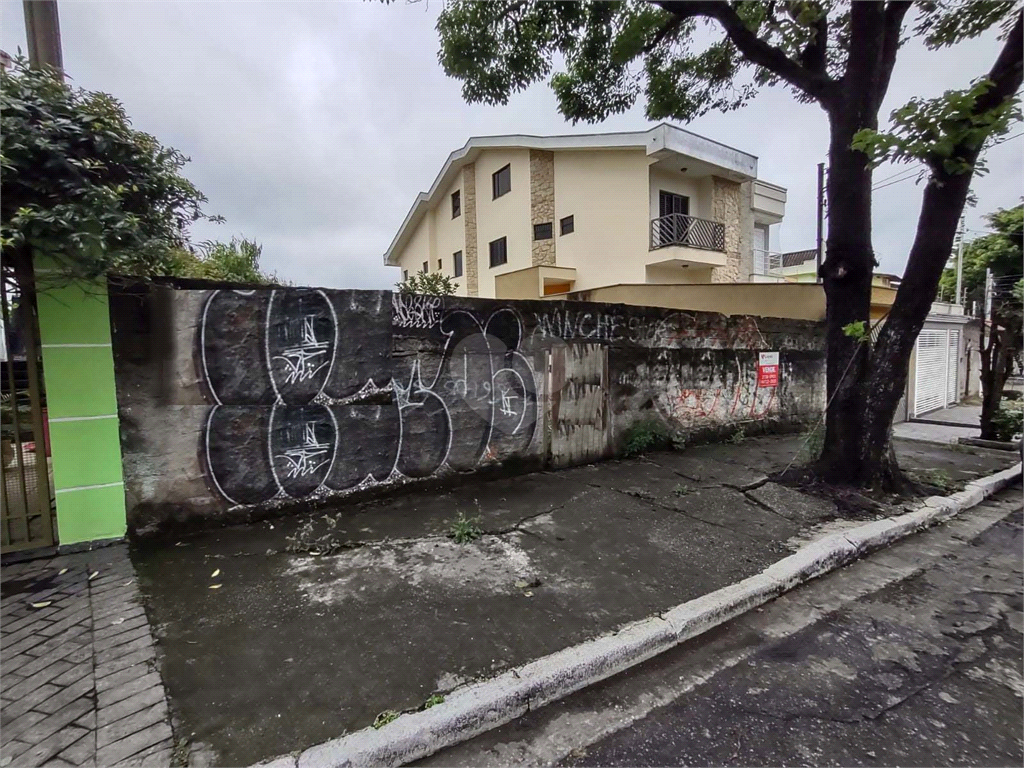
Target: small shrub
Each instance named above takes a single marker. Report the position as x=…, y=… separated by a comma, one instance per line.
x=647, y=435
x=463, y=530
x=738, y=436
x=385, y=717
x=433, y=701
x=1008, y=422
x=681, y=490
x=812, y=445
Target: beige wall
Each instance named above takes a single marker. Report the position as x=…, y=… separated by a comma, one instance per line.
x=508, y=216
x=792, y=300
x=449, y=236
x=697, y=189
x=607, y=193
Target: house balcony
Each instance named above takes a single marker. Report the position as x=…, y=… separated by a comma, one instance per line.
x=768, y=267
x=681, y=240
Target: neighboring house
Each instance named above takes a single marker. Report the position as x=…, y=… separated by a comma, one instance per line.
x=530, y=216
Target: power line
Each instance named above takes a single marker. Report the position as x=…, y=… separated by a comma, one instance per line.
x=907, y=174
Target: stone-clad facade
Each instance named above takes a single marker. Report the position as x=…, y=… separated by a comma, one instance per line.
x=726, y=208
x=542, y=204
x=469, y=260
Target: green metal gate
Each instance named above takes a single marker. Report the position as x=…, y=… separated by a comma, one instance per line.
x=26, y=497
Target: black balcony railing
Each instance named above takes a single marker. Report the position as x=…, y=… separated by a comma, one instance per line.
x=680, y=229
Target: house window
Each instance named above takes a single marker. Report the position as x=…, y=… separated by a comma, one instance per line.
x=567, y=225
x=670, y=202
x=456, y=203
x=405, y=274
x=457, y=263
x=542, y=231
x=501, y=181
x=426, y=265
x=499, y=252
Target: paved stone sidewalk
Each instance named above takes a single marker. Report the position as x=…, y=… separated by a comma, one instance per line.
x=80, y=683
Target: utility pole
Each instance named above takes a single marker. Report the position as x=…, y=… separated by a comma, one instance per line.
x=820, y=244
x=42, y=28
x=960, y=263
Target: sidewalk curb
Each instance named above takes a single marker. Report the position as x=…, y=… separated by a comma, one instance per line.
x=479, y=707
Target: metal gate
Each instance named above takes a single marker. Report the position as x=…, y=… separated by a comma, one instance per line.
x=936, y=370
x=26, y=499
x=952, y=366
x=578, y=418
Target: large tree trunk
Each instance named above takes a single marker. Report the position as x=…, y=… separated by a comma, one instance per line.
x=846, y=275
x=865, y=384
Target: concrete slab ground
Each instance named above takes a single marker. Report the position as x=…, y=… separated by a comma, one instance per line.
x=284, y=634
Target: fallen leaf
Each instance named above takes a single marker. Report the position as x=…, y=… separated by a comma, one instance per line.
x=215, y=574
x=42, y=605
x=93, y=575
x=527, y=594
x=118, y=621
x=522, y=584
x=62, y=571
x=215, y=586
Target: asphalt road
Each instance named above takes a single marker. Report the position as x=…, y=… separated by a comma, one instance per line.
x=910, y=657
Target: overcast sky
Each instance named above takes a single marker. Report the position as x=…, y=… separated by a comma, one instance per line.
x=313, y=125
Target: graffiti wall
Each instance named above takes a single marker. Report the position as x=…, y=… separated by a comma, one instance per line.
x=240, y=401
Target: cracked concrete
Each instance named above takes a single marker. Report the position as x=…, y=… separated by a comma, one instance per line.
x=396, y=608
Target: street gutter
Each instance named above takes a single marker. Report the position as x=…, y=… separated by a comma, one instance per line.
x=482, y=706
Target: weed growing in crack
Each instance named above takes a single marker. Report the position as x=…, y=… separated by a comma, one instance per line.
x=738, y=436
x=385, y=717
x=936, y=478
x=681, y=490
x=647, y=435
x=463, y=530
x=433, y=701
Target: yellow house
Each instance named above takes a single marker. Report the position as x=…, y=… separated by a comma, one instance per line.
x=529, y=216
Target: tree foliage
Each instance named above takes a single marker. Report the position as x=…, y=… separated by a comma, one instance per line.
x=83, y=186
x=685, y=59
x=1002, y=251
x=237, y=261
x=430, y=283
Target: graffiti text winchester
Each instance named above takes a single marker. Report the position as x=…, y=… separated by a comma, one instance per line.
x=302, y=394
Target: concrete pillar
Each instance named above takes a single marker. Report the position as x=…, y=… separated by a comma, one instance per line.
x=81, y=399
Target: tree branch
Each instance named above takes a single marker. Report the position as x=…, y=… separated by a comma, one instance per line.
x=753, y=48
x=814, y=56
x=892, y=27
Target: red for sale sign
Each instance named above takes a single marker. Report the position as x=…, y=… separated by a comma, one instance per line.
x=768, y=369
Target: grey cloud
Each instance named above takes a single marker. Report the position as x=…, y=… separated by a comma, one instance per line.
x=312, y=126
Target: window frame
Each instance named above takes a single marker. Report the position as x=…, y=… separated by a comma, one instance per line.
x=456, y=203
x=495, y=179
x=426, y=266
x=504, y=248
x=571, y=220
x=457, y=263
x=551, y=231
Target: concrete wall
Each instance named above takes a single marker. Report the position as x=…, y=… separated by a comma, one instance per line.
x=236, y=402
x=74, y=329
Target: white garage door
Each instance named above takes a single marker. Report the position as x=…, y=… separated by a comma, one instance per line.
x=930, y=377
x=953, y=366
